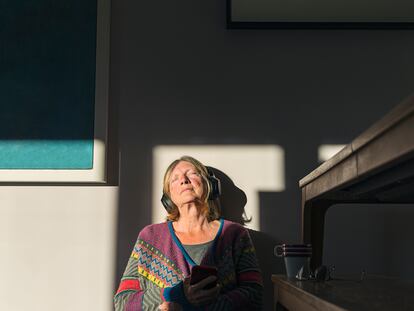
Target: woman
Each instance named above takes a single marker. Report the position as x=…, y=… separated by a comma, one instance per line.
x=158, y=273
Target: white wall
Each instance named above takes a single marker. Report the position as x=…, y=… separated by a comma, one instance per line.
x=57, y=248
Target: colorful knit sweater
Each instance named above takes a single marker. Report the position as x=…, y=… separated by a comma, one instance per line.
x=159, y=263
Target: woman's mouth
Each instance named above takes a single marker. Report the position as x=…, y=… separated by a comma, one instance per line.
x=188, y=189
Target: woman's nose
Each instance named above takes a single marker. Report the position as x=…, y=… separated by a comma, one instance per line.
x=184, y=180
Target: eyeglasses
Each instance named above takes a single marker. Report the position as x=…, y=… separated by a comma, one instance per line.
x=322, y=274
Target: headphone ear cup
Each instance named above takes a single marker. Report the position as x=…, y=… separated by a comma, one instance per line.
x=215, y=184
x=215, y=187
x=167, y=202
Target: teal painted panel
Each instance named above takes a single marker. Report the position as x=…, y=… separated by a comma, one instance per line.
x=46, y=154
x=47, y=83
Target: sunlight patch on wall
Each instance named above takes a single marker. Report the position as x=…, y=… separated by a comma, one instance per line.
x=325, y=152
x=252, y=168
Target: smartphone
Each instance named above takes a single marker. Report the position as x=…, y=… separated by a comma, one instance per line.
x=199, y=273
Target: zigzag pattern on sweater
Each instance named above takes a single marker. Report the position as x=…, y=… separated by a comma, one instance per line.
x=154, y=266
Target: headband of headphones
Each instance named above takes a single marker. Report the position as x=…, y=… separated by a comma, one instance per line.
x=214, y=186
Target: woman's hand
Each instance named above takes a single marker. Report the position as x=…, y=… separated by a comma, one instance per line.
x=170, y=306
x=197, y=295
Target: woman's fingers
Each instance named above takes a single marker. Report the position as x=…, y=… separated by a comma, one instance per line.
x=198, y=295
x=211, y=292
x=204, y=296
x=169, y=306
x=204, y=282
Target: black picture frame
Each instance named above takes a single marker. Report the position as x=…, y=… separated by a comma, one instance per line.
x=240, y=23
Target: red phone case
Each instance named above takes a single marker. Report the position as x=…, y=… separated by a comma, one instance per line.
x=199, y=273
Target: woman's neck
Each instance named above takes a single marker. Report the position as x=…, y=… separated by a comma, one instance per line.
x=191, y=219
x=193, y=227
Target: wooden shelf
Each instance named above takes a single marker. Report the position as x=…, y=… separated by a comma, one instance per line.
x=376, y=167
x=374, y=293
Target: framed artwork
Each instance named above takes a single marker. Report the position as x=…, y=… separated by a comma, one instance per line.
x=54, y=91
x=320, y=14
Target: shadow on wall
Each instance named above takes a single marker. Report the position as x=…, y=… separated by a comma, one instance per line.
x=380, y=241
x=232, y=201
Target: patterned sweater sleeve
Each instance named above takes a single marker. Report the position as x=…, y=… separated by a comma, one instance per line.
x=133, y=288
x=248, y=293
x=137, y=292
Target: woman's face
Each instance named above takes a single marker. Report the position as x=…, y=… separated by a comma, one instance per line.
x=186, y=184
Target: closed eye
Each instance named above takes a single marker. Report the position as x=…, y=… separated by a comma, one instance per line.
x=192, y=174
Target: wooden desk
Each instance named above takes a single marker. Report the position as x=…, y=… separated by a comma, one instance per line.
x=376, y=167
x=373, y=293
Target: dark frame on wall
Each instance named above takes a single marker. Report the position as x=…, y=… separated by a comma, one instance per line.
x=266, y=14
x=55, y=99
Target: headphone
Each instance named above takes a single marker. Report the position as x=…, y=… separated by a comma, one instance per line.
x=214, y=186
